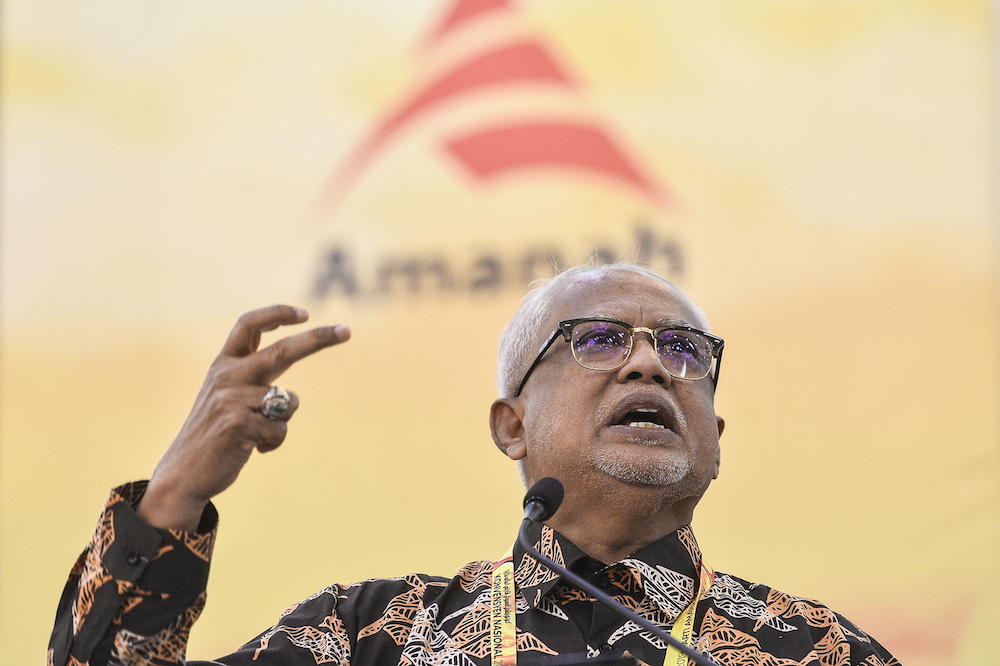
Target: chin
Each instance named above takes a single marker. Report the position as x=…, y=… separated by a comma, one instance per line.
x=643, y=470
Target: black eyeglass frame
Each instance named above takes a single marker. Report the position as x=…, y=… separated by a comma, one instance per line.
x=566, y=329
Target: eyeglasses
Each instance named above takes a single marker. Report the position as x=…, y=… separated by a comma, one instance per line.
x=605, y=344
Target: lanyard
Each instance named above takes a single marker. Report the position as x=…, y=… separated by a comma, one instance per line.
x=503, y=631
x=683, y=629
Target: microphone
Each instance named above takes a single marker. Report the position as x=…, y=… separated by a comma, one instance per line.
x=543, y=499
x=541, y=503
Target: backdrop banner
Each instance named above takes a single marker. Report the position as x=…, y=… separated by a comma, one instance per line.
x=819, y=176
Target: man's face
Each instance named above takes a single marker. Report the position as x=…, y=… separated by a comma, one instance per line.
x=635, y=425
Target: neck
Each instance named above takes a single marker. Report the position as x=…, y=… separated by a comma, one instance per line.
x=611, y=524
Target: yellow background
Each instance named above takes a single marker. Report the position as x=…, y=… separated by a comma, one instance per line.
x=834, y=169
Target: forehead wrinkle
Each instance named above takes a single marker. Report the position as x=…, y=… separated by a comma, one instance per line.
x=676, y=301
x=597, y=314
x=673, y=321
x=659, y=322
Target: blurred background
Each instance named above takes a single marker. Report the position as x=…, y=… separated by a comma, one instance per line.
x=820, y=176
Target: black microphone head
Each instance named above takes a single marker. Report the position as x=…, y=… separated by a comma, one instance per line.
x=549, y=493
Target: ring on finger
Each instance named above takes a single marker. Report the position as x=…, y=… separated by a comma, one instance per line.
x=275, y=403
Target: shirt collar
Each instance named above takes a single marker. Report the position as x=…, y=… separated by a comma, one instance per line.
x=666, y=569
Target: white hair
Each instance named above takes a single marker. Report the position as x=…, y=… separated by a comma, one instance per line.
x=520, y=337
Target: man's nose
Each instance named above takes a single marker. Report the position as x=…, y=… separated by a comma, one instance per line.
x=643, y=362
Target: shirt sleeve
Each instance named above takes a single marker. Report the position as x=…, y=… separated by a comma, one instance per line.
x=135, y=591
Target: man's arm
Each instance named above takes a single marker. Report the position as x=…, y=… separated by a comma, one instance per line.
x=136, y=589
x=226, y=425
x=139, y=585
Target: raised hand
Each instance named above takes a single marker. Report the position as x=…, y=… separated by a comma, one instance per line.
x=226, y=424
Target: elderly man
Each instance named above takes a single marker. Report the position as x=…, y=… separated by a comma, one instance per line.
x=618, y=405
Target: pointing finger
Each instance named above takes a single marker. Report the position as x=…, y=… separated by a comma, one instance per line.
x=245, y=336
x=269, y=363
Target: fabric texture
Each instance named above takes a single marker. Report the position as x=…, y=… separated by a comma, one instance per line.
x=136, y=591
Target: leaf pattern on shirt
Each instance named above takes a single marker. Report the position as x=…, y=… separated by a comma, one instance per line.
x=166, y=646
x=92, y=578
x=735, y=600
x=473, y=574
x=815, y=613
x=630, y=628
x=625, y=579
x=670, y=590
x=564, y=594
x=105, y=535
x=548, y=606
x=90, y=566
x=528, y=642
x=481, y=600
x=400, y=613
x=472, y=633
x=686, y=536
x=530, y=572
x=872, y=660
x=201, y=545
x=833, y=649
x=428, y=645
x=326, y=642
x=397, y=620
x=728, y=645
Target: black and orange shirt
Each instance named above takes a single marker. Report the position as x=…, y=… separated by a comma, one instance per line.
x=136, y=591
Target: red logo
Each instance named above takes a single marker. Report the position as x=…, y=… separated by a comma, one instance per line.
x=527, y=116
x=488, y=153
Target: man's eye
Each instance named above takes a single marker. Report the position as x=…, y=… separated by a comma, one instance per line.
x=679, y=347
x=600, y=339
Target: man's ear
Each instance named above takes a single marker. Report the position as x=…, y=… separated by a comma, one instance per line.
x=721, y=422
x=507, y=426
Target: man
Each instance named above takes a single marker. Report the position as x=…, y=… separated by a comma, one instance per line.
x=618, y=405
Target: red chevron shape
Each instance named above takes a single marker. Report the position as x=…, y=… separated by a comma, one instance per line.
x=464, y=11
x=494, y=152
x=524, y=62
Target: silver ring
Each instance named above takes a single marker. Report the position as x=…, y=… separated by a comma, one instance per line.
x=276, y=403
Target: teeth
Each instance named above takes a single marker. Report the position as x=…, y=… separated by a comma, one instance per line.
x=644, y=424
x=646, y=410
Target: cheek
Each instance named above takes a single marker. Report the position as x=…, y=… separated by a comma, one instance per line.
x=552, y=443
x=710, y=450
x=546, y=418
x=700, y=421
x=702, y=412
x=540, y=430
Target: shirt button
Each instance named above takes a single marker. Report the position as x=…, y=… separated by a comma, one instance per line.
x=133, y=557
x=606, y=648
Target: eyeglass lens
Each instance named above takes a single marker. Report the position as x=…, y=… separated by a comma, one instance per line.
x=603, y=345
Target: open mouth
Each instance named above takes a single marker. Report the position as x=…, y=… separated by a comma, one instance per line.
x=644, y=417
x=651, y=412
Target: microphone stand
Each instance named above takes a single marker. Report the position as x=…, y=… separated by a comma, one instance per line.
x=606, y=599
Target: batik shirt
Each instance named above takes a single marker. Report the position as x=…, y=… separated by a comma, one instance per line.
x=136, y=590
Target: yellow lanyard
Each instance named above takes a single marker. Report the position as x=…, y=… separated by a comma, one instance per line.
x=683, y=629
x=503, y=630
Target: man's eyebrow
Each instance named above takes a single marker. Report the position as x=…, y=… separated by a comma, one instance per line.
x=660, y=322
x=673, y=321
